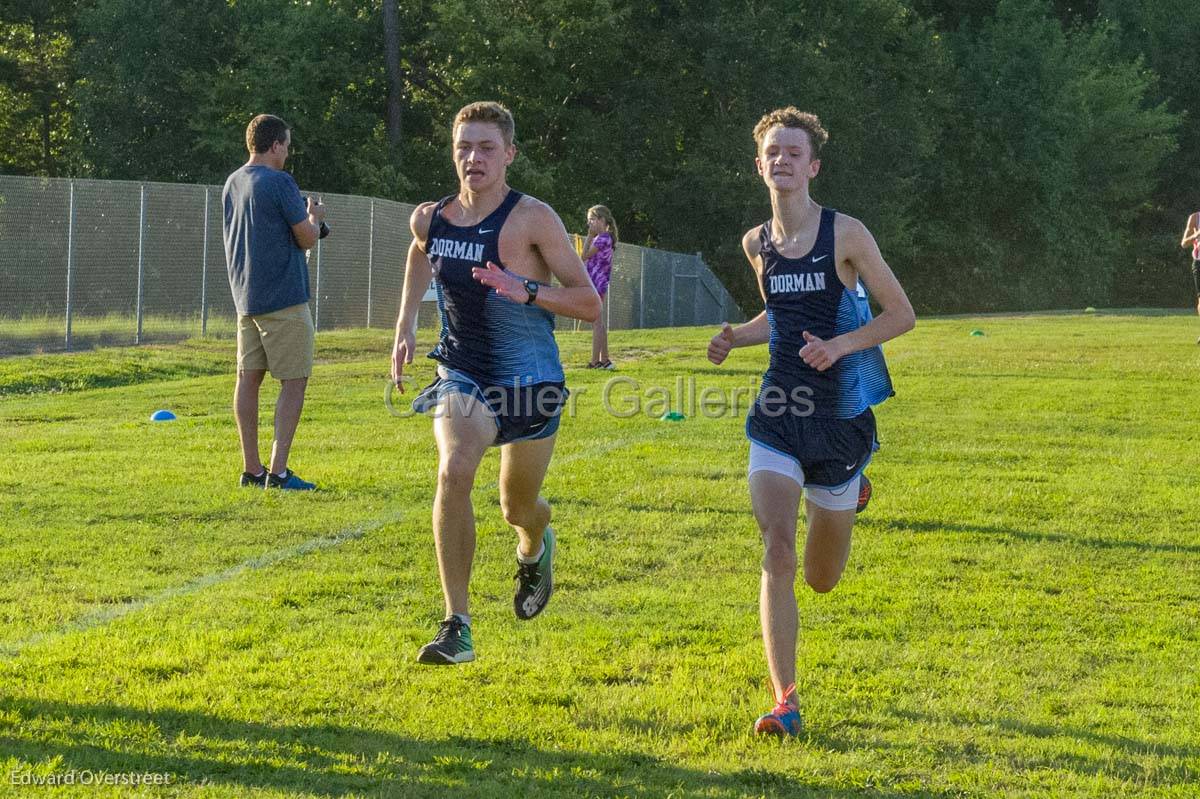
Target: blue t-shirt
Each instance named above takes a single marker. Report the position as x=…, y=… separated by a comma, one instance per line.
x=267, y=269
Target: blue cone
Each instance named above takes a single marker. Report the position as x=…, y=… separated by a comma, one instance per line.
x=162, y=416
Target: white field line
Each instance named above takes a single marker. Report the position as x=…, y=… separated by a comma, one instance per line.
x=108, y=613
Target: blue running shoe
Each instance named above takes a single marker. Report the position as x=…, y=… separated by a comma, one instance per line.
x=253, y=480
x=288, y=481
x=784, y=720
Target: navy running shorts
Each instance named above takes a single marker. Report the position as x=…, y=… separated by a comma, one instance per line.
x=831, y=452
x=521, y=413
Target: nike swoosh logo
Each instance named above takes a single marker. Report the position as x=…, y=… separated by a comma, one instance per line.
x=826, y=255
x=851, y=466
x=489, y=230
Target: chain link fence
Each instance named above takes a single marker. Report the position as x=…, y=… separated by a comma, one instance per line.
x=86, y=263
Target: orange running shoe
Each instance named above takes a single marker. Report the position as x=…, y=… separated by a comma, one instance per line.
x=864, y=493
x=783, y=721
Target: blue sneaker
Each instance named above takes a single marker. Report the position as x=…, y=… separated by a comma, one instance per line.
x=784, y=720
x=253, y=480
x=288, y=481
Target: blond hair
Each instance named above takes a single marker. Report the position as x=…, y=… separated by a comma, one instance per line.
x=491, y=112
x=605, y=216
x=792, y=117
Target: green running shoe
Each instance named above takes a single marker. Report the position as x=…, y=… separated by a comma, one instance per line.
x=451, y=645
x=535, y=581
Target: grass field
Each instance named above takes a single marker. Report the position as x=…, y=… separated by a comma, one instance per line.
x=1020, y=617
x=37, y=334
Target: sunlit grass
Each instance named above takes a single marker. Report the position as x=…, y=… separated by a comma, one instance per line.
x=1019, y=617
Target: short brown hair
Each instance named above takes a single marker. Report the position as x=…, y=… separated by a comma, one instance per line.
x=263, y=131
x=488, y=111
x=793, y=117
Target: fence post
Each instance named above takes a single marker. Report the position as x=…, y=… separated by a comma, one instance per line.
x=370, y=261
x=141, y=262
x=608, y=308
x=671, y=302
x=642, y=292
x=70, y=258
x=204, y=272
x=317, y=308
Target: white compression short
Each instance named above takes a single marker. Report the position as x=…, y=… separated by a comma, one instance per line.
x=844, y=497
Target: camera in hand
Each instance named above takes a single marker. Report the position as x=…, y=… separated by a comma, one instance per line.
x=324, y=227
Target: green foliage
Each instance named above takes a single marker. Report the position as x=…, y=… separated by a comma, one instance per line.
x=1166, y=34
x=145, y=69
x=1052, y=165
x=716, y=72
x=35, y=100
x=1008, y=153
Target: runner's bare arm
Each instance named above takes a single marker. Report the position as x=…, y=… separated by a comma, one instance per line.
x=758, y=329
x=418, y=273
x=856, y=247
x=575, y=297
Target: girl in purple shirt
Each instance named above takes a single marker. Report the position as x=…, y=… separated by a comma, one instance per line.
x=598, y=255
x=1191, y=238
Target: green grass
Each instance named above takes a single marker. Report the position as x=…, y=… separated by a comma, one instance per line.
x=1019, y=617
x=47, y=333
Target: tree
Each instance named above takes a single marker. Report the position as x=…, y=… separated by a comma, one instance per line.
x=1007, y=153
x=147, y=70
x=169, y=89
x=648, y=108
x=1166, y=34
x=35, y=86
x=1052, y=159
x=391, y=59
x=870, y=69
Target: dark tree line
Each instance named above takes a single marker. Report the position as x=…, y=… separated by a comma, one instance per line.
x=1008, y=154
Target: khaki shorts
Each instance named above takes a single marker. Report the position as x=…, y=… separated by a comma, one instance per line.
x=281, y=341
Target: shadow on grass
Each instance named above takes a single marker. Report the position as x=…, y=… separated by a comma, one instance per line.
x=332, y=760
x=1126, y=759
x=14, y=342
x=999, y=531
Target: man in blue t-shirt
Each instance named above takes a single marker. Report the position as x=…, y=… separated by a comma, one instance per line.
x=268, y=227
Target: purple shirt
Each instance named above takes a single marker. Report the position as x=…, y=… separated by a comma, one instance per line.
x=599, y=266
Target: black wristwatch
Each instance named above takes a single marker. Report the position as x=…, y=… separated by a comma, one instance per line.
x=531, y=286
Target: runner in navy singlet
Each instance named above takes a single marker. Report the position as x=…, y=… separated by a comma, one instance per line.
x=492, y=252
x=811, y=429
